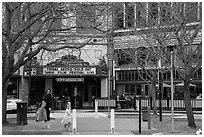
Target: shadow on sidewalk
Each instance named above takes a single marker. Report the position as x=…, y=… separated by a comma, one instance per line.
x=31, y=133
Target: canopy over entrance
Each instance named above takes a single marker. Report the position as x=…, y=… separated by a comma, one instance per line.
x=182, y=84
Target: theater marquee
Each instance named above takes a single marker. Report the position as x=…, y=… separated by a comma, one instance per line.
x=69, y=71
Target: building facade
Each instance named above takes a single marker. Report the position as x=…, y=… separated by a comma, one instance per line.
x=75, y=75
x=133, y=22
x=69, y=79
x=79, y=79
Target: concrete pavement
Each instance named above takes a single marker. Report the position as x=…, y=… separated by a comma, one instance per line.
x=87, y=124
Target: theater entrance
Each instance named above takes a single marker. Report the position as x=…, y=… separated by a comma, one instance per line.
x=79, y=91
x=67, y=91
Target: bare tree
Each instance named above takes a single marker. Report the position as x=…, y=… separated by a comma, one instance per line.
x=177, y=25
x=145, y=62
x=184, y=34
x=29, y=28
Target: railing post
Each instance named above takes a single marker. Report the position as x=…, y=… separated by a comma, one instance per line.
x=139, y=115
x=74, y=129
x=149, y=114
x=168, y=103
x=96, y=109
x=112, y=121
x=134, y=104
x=138, y=103
x=151, y=103
x=160, y=106
x=149, y=117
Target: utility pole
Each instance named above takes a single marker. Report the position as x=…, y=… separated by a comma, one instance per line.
x=159, y=90
x=30, y=63
x=172, y=94
x=110, y=48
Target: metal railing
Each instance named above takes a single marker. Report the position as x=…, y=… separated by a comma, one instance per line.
x=103, y=102
x=166, y=104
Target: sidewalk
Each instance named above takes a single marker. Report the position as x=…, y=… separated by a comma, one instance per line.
x=87, y=124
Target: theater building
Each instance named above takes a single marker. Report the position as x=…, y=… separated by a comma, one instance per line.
x=69, y=78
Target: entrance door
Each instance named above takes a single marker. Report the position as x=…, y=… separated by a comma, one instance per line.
x=86, y=97
x=68, y=91
x=76, y=98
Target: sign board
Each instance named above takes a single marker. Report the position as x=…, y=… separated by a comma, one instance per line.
x=32, y=72
x=69, y=79
x=69, y=71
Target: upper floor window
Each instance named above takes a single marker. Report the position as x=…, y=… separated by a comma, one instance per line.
x=140, y=14
x=143, y=14
x=152, y=13
x=165, y=13
x=124, y=56
x=200, y=11
x=129, y=15
x=191, y=11
x=119, y=15
x=85, y=17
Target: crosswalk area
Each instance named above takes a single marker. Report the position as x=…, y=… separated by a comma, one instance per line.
x=80, y=114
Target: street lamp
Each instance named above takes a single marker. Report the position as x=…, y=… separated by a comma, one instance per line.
x=109, y=89
x=159, y=90
x=172, y=93
x=29, y=85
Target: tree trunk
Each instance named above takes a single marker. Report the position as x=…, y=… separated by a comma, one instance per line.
x=187, y=100
x=4, y=101
x=154, y=101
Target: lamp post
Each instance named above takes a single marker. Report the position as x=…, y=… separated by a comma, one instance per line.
x=29, y=79
x=159, y=90
x=109, y=89
x=172, y=94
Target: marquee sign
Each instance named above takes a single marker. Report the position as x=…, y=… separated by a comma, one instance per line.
x=32, y=72
x=69, y=79
x=69, y=71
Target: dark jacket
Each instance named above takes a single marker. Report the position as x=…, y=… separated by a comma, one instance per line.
x=48, y=100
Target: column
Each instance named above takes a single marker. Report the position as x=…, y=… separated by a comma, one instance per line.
x=104, y=87
x=23, y=89
x=49, y=84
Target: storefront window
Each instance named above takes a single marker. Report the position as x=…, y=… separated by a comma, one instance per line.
x=136, y=75
x=132, y=89
x=12, y=88
x=199, y=72
x=139, y=89
x=146, y=89
x=133, y=75
x=126, y=89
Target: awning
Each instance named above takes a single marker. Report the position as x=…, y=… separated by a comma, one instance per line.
x=182, y=84
x=164, y=85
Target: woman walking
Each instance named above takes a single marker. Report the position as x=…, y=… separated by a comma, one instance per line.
x=47, y=100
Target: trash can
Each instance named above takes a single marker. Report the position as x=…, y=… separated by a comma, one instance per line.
x=144, y=115
x=22, y=113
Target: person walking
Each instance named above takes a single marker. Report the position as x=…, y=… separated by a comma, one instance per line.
x=66, y=121
x=47, y=100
